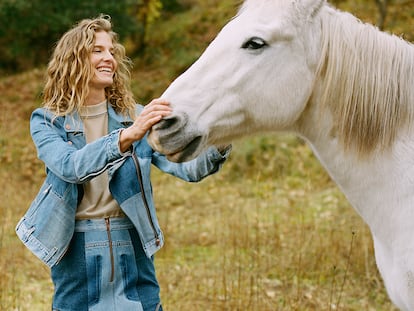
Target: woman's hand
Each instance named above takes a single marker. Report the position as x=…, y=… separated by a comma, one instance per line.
x=150, y=115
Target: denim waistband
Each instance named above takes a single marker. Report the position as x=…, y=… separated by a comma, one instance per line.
x=103, y=224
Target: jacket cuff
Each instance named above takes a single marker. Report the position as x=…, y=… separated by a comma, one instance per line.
x=130, y=149
x=220, y=153
x=113, y=145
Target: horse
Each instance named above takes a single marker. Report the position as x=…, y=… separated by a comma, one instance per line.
x=344, y=86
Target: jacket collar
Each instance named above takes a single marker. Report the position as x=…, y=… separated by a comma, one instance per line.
x=116, y=120
x=73, y=122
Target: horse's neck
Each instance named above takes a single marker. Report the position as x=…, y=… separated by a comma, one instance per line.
x=374, y=185
x=365, y=78
x=377, y=180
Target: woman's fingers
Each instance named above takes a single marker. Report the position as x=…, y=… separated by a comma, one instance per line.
x=153, y=113
x=150, y=115
x=156, y=110
x=160, y=101
x=158, y=105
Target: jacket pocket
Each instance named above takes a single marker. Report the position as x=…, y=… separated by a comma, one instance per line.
x=47, y=227
x=40, y=197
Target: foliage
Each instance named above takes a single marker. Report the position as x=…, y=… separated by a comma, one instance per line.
x=173, y=6
x=29, y=29
x=145, y=11
x=149, y=11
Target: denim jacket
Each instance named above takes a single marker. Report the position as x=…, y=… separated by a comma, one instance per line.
x=48, y=225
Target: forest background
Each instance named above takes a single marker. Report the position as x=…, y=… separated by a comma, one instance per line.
x=269, y=232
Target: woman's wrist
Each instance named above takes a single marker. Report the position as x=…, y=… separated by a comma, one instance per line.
x=125, y=140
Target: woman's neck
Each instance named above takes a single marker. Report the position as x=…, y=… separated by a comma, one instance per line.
x=95, y=97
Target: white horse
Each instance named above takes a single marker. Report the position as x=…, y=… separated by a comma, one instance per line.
x=344, y=86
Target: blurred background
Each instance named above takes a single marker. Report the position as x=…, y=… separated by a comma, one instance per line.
x=269, y=232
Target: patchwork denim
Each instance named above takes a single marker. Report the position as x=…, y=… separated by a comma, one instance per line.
x=105, y=269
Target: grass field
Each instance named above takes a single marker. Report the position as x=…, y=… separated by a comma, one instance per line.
x=269, y=232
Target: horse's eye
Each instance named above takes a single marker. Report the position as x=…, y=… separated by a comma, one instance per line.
x=254, y=43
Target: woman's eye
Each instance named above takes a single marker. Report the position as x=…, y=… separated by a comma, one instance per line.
x=254, y=43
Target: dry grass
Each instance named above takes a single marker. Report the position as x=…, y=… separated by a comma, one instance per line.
x=261, y=241
x=24, y=281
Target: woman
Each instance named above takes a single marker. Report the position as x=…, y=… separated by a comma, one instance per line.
x=93, y=221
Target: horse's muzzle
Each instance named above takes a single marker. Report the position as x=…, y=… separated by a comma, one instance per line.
x=176, y=138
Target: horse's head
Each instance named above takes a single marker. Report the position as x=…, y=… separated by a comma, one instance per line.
x=256, y=75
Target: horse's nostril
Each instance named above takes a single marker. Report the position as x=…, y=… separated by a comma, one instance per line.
x=166, y=123
x=170, y=122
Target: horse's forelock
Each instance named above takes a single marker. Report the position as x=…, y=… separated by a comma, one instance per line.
x=368, y=81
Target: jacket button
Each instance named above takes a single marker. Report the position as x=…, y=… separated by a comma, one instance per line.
x=67, y=126
x=70, y=143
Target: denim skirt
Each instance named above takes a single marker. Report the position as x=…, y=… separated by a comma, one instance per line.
x=105, y=269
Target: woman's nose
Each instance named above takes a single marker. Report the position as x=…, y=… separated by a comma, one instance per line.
x=108, y=55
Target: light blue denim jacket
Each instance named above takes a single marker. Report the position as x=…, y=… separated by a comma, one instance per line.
x=48, y=225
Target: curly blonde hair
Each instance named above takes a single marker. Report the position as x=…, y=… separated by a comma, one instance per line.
x=70, y=71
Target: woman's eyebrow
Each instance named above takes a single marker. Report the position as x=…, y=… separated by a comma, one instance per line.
x=103, y=46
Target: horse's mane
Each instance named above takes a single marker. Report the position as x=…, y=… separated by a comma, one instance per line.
x=368, y=81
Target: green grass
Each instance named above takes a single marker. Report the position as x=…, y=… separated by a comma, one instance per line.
x=269, y=232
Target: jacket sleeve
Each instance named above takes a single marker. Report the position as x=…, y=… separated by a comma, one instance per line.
x=61, y=156
x=207, y=163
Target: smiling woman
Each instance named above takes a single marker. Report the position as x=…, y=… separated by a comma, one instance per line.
x=77, y=60
x=93, y=221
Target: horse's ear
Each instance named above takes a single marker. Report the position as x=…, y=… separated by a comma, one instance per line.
x=309, y=8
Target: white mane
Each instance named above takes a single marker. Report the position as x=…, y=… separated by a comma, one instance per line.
x=368, y=81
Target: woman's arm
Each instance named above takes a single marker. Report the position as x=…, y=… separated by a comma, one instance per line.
x=63, y=158
x=207, y=163
x=79, y=165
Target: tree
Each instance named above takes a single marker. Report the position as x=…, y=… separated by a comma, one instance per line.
x=29, y=29
x=382, y=8
x=146, y=12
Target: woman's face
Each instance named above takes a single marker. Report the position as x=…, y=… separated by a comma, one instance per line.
x=102, y=61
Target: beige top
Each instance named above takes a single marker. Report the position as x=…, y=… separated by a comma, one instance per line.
x=97, y=201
